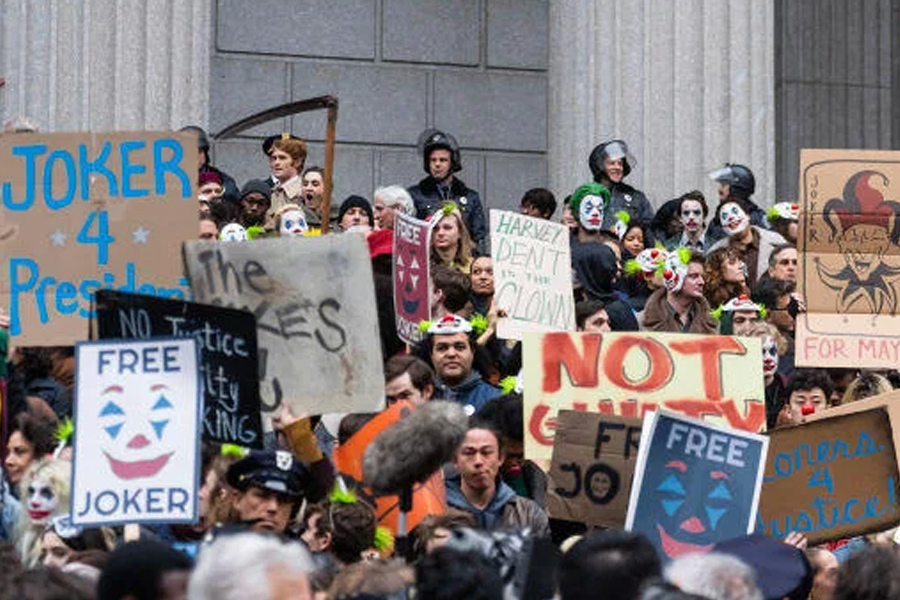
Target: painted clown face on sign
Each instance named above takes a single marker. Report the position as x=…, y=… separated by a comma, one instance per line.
x=42, y=500
x=293, y=224
x=690, y=516
x=411, y=273
x=134, y=439
x=733, y=219
x=233, y=232
x=770, y=355
x=590, y=213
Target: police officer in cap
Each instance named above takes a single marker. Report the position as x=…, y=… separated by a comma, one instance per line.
x=440, y=156
x=610, y=163
x=268, y=488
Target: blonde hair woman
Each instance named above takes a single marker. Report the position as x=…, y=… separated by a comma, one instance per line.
x=451, y=243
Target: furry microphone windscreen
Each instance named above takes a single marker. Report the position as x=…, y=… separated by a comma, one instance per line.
x=412, y=449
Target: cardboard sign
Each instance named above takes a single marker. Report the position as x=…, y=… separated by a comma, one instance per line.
x=713, y=377
x=593, y=463
x=81, y=212
x=428, y=498
x=834, y=477
x=137, y=417
x=412, y=277
x=314, y=304
x=532, y=274
x=695, y=484
x=229, y=363
x=850, y=259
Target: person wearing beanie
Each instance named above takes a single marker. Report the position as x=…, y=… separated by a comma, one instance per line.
x=209, y=186
x=355, y=212
x=144, y=570
x=256, y=198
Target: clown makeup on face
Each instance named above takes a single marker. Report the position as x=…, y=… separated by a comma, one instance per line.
x=692, y=216
x=233, y=232
x=590, y=213
x=770, y=356
x=134, y=439
x=733, y=219
x=41, y=501
x=293, y=224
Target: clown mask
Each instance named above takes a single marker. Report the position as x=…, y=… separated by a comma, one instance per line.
x=293, y=224
x=42, y=501
x=733, y=219
x=233, y=232
x=590, y=213
x=674, y=272
x=692, y=216
x=770, y=356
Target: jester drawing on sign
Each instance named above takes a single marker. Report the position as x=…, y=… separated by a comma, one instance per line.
x=865, y=226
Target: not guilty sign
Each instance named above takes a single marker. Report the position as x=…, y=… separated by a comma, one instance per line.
x=91, y=211
x=717, y=378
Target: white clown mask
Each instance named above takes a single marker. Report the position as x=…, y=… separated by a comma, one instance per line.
x=233, y=232
x=692, y=216
x=733, y=219
x=293, y=224
x=590, y=213
x=42, y=501
x=770, y=356
x=674, y=272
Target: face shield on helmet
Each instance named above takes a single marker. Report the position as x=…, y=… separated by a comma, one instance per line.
x=612, y=150
x=738, y=177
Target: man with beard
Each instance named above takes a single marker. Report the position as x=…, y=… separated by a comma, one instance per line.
x=255, y=202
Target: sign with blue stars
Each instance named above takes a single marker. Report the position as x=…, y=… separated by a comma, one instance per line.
x=89, y=211
x=695, y=484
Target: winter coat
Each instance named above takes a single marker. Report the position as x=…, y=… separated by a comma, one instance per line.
x=767, y=242
x=472, y=393
x=507, y=510
x=633, y=201
x=429, y=196
x=595, y=267
x=660, y=316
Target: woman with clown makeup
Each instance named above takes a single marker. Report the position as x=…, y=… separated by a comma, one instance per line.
x=753, y=243
x=44, y=495
x=773, y=348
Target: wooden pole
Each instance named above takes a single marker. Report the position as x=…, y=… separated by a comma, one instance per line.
x=329, y=163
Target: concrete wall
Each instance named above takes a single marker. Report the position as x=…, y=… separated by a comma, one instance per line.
x=103, y=64
x=835, y=80
x=476, y=68
x=687, y=83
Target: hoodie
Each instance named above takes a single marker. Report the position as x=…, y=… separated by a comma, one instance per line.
x=473, y=392
x=492, y=516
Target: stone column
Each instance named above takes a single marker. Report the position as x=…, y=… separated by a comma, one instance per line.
x=687, y=83
x=104, y=64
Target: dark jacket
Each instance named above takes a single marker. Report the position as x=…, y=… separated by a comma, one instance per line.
x=660, y=316
x=473, y=391
x=633, y=201
x=595, y=267
x=428, y=196
x=506, y=511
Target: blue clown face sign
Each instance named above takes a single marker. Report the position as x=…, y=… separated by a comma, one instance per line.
x=695, y=484
x=136, y=423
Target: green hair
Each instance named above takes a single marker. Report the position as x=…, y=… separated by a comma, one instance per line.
x=340, y=495
x=233, y=451
x=64, y=431
x=424, y=326
x=256, y=231
x=448, y=208
x=508, y=384
x=623, y=216
x=384, y=539
x=588, y=189
x=479, y=324
x=717, y=313
x=773, y=213
x=631, y=267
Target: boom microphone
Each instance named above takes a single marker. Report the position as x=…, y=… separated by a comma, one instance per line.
x=413, y=448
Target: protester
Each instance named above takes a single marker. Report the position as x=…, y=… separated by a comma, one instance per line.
x=783, y=262
x=714, y=575
x=539, y=203
x=205, y=166
x=866, y=385
x=608, y=565
x=482, y=285
x=724, y=276
x=774, y=347
x=356, y=214
x=591, y=317
x=825, y=573
x=753, y=243
x=379, y=579
x=679, y=306
x=450, y=242
x=693, y=212
x=407, y=379
x=739, y=315
x=478, y=488
x=783, y=219
x=287, y=154
x=447, y=574
x=145, y=570
x=388, y=201
x=736, y=182
x=45, y=495
x=30, y=439
x=809, y=392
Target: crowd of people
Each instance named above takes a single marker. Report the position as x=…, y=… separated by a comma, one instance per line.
x=282, y=523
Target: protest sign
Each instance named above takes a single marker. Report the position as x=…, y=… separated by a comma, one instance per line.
x=695, y=484
x=714, y=377
x=229, y=363
x=532, y=274
x=314, y=304
x=86, y=211
x=593, y=463
x=428, y=498
x=137, y=417
x=850, y=259
x=412, y=277
x=834, y=477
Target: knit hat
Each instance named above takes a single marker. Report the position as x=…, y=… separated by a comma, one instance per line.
x=259, y=186
x=356, y=202
x=208, y=177
x=381, y=242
